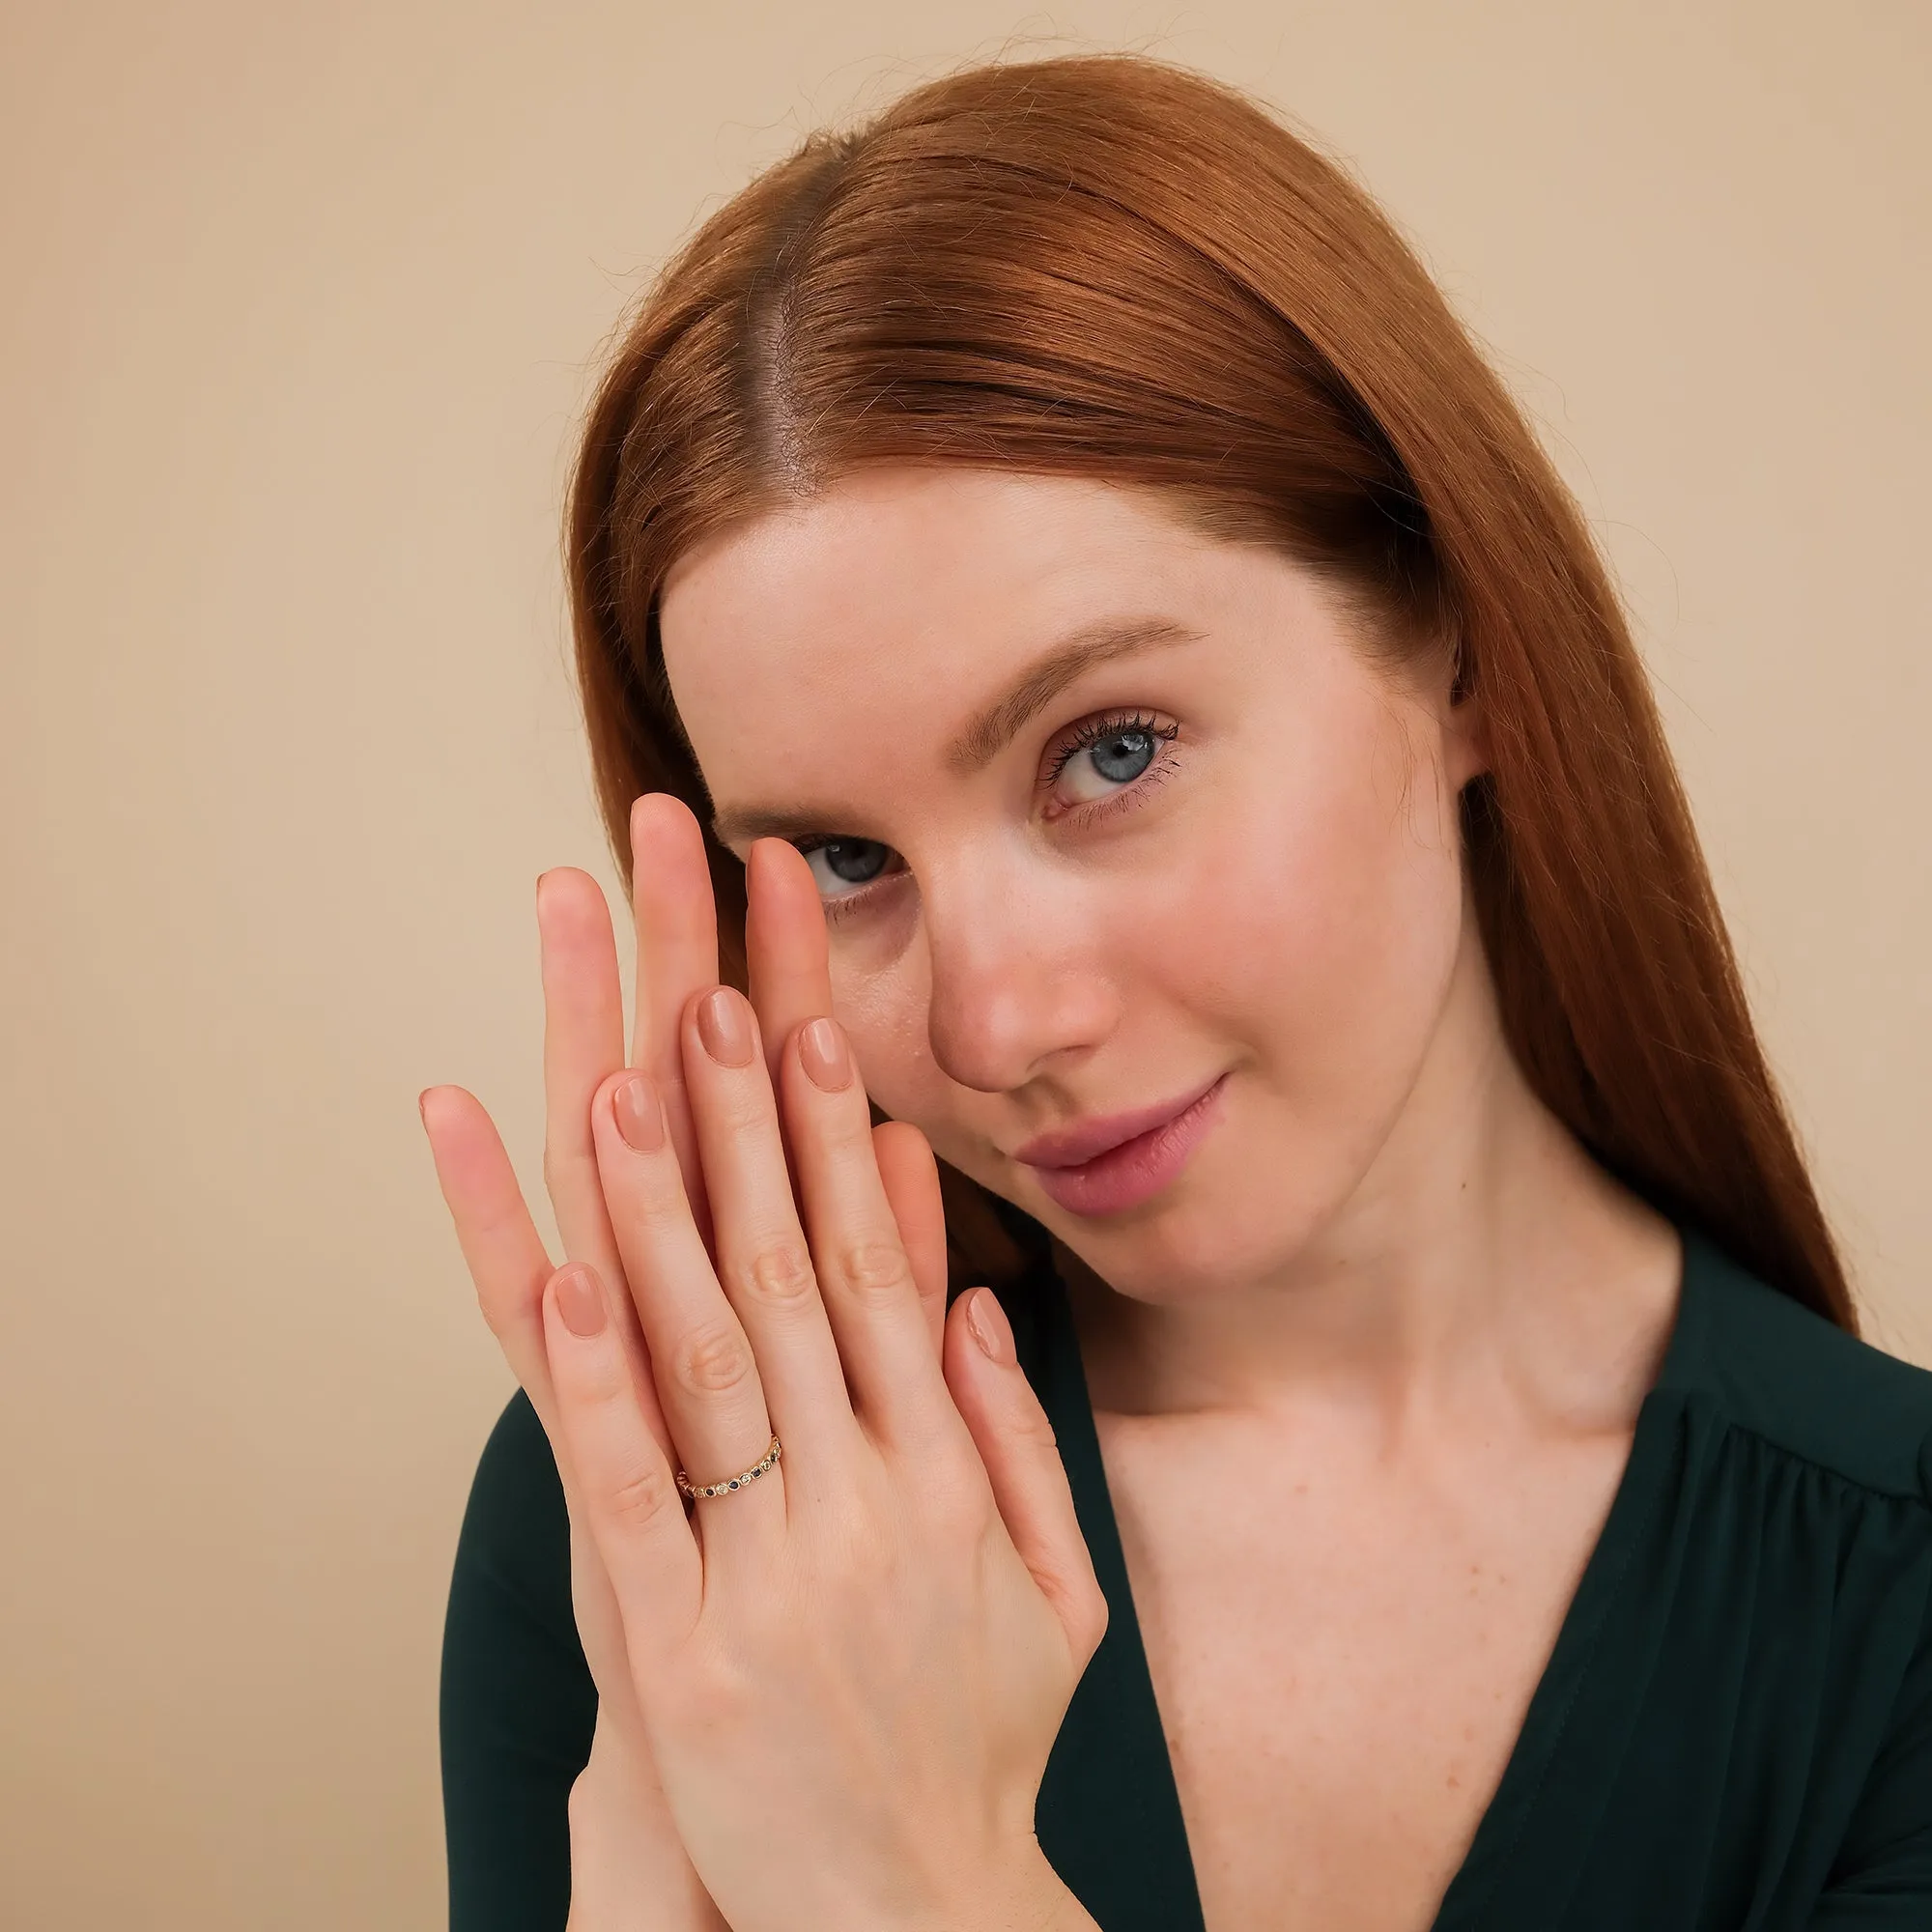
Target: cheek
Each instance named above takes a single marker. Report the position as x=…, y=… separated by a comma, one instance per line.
x=883, y=1011
x=1309, y=923
x=1324, y=928
x=1324, y=919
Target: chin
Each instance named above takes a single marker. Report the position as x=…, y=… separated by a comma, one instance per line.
x=1186, y=1247
x=1207, y=1234
x=1177, y=1257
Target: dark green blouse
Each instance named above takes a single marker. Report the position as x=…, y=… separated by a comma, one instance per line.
x=1733, y=1734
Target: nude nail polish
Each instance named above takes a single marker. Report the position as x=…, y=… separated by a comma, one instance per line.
x=579, y=1301
x=822, y=1053
x=990, y=1328
x=639, y=1119
x=724, y=1026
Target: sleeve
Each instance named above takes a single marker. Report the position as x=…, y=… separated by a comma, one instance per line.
x=1882, y=1882
x=518, y=1706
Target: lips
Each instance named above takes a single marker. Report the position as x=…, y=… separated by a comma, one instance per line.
x=1106, y=1165
x=1070, y=1147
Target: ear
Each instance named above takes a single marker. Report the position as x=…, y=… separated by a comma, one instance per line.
x=1466, y=740
x=1460, y=715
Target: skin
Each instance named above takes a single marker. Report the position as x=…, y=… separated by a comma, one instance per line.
x=748, y=1255
x=1367, y=1368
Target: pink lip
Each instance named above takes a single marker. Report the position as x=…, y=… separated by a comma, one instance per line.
x=1105, y=1165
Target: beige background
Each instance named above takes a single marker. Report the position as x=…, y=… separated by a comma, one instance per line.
x=299, y=309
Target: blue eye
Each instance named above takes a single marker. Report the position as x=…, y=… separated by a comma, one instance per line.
x=1103, y=756
x=840, y=864
x=1122, y=757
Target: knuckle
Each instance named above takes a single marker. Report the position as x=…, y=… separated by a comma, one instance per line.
x=653, y=1208
x=510, y=1300
x=780, y=1275
x=599, y=1380
x=565, y=1169
x=1030, y=1425
x=642, y=1495
x=744, y=1099
x=712, y=1359
x=847, y=1133
x=498, y=1310
x=872, y=1272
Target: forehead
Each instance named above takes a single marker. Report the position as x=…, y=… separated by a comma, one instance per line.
x=910, y=586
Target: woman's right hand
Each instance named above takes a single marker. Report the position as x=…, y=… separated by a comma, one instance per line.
x=629, y=1870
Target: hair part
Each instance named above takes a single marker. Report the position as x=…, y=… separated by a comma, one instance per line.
x=1111, y=267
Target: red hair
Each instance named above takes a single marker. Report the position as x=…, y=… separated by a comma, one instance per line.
x=1111, y=267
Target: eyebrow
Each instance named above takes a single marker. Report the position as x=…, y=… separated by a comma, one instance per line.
x=1043, y=680
x=992, y=729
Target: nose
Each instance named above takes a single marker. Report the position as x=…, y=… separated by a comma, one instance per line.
x=1019, y=984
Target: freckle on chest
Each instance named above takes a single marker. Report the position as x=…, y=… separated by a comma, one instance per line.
x=1341, y=1679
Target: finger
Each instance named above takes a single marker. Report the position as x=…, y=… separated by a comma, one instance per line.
x=676, y=918
x=865, y=1273
x=910, y=1177
x=504, y=1253
x=784, y=943
x=584, y=1041
x=509, y=1267
x=1016, y=1444
x=764, y=1263
x=629, y=1500
x=600, y=1625
x=708, y=1379
x=500, y=1245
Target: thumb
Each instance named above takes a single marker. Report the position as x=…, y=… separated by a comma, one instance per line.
x=1016, y=1444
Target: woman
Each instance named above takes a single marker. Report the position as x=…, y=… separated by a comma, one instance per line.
x=1071, y=628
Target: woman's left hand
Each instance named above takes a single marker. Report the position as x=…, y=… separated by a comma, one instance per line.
x=852, y=1668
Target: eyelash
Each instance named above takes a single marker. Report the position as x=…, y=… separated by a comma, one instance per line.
x=1083, y=736
x=1097, y=730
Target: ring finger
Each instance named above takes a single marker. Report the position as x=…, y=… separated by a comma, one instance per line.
x=707, y=1378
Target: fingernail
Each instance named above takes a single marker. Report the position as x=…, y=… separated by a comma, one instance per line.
x=634, y=1106
x=821, y=1052
x=579, y=1301
x=422, y=1108
x=990, y=1327
x=724, y=1026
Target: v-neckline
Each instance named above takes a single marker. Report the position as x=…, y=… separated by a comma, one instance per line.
x=1109, y=1816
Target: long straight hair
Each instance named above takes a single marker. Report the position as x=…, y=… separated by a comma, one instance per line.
x=1111, y=267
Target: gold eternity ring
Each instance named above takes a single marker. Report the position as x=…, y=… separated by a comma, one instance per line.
x=742, y=1480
